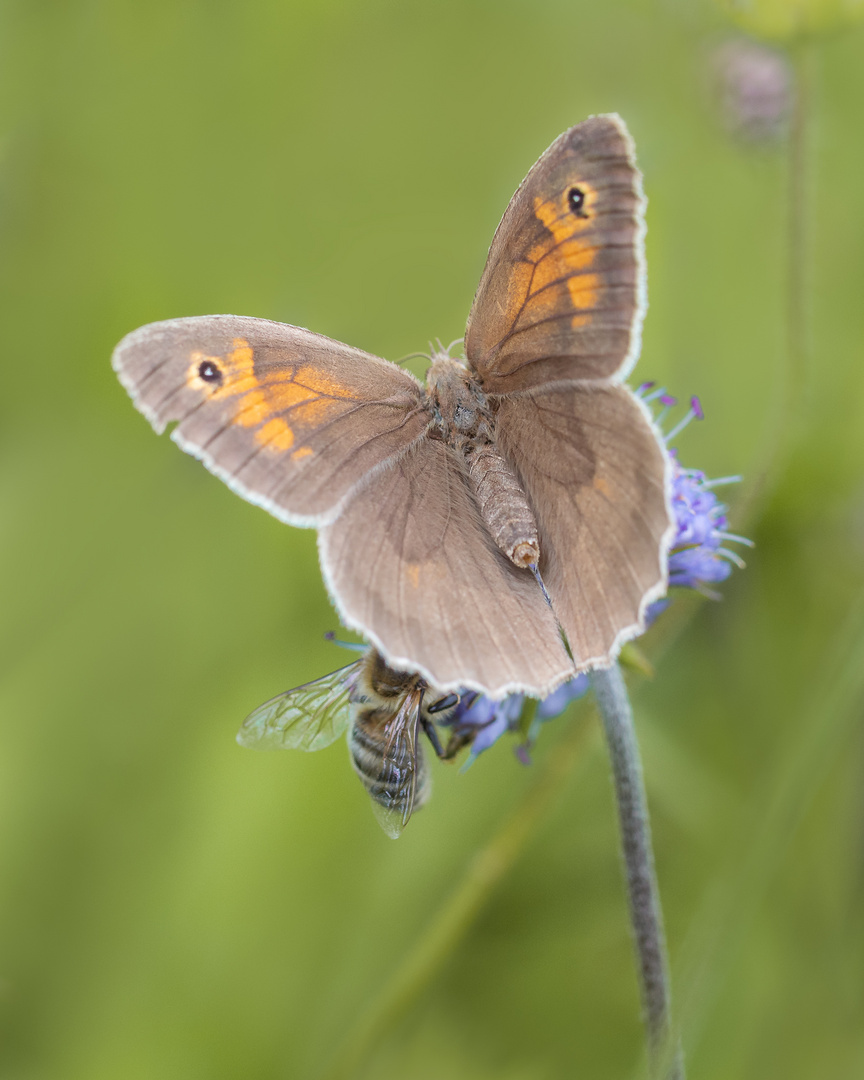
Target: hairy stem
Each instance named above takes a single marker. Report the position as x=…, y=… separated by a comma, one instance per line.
x=642, y=894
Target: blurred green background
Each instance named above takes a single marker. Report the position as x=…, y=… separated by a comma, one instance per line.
x=175, y=906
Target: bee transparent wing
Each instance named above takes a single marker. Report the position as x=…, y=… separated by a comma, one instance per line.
x=405, y=782
x=309, y=717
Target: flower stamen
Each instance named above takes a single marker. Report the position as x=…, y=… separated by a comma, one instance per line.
x=733, y=536
x=693, y=413
x=720, y=481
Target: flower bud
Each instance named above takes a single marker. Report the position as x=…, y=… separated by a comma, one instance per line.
x=755, y=90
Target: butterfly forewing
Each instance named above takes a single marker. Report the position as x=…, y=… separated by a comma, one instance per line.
x=290, y=419
x=309, y=717
x=562, y=295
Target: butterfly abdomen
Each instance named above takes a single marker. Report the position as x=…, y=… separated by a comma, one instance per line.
x=465, y=420
x=504, y=505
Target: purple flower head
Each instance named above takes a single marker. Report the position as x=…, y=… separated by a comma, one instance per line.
x=698, y=556
x=485, y=720
x=559, y=699
x=694, y=566
x=491, y=719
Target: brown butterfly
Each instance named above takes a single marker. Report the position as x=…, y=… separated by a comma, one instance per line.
x=434, y=504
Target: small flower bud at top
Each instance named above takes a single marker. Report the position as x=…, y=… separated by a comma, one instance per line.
x=755, y=90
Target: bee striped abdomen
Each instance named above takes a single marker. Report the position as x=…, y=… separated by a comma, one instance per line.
x=385, y=774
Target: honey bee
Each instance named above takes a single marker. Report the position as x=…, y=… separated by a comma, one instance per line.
x=383, y=710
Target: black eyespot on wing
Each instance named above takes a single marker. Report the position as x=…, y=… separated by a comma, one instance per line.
x=576, y=201
x=209, y=371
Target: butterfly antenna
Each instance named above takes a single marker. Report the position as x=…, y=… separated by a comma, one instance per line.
x=413, y=356
x=535, y=570
x=455, y=341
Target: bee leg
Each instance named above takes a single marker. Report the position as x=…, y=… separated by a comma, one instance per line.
x=432, y=736
x=459, y=739
x=443, y=703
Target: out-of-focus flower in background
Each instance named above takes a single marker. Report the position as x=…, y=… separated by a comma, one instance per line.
x=754, y=88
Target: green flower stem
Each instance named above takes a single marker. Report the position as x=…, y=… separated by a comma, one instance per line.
x=445, y=929
x=642, y=893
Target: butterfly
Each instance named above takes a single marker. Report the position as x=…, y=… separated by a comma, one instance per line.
x=439, y=507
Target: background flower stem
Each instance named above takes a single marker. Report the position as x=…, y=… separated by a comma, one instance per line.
x=789, y=417
x=642, y=893
x=797, y=242
x=446, y=928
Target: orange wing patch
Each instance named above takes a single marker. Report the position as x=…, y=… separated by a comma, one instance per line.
x=564, y=256
x=320, y=394
x=306, y=394
x=276, y=434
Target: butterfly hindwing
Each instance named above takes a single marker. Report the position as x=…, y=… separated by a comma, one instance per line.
x=598, y=480
x=410, y=562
